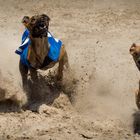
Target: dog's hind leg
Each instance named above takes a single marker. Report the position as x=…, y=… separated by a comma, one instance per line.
x=24, y=73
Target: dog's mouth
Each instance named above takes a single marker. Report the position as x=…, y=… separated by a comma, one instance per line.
x=40, y=29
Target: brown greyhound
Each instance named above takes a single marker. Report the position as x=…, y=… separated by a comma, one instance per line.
x=38, y=49
x=135, y=52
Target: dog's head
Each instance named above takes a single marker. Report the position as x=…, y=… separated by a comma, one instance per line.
x=37, y=25
x=135, y=52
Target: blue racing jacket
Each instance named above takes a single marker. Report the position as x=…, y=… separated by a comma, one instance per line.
x=53, y=54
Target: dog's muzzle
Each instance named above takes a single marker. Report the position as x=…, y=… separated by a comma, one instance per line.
x=40, y=30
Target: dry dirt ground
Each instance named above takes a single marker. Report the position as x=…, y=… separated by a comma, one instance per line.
x=97, y=35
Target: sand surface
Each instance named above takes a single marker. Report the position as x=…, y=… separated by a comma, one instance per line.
x=97, y=35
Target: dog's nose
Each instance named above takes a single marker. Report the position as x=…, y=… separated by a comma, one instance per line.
x=42, y=25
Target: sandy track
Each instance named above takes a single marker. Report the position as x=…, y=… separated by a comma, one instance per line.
x=97, y=35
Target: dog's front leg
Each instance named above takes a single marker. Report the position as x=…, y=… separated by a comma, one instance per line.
x=137, y=94
x=60, y=70
x=33, y=74
x=24, y=73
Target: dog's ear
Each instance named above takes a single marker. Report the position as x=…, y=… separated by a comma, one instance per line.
x=132, y=48
x=47, y=19
x=25, y=20
x=133, y=45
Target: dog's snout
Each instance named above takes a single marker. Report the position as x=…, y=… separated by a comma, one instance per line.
x=42, y=25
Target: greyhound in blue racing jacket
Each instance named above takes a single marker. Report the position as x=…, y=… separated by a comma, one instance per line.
x=39, y=49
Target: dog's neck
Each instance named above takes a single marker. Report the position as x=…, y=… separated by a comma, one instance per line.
x=39, y=50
